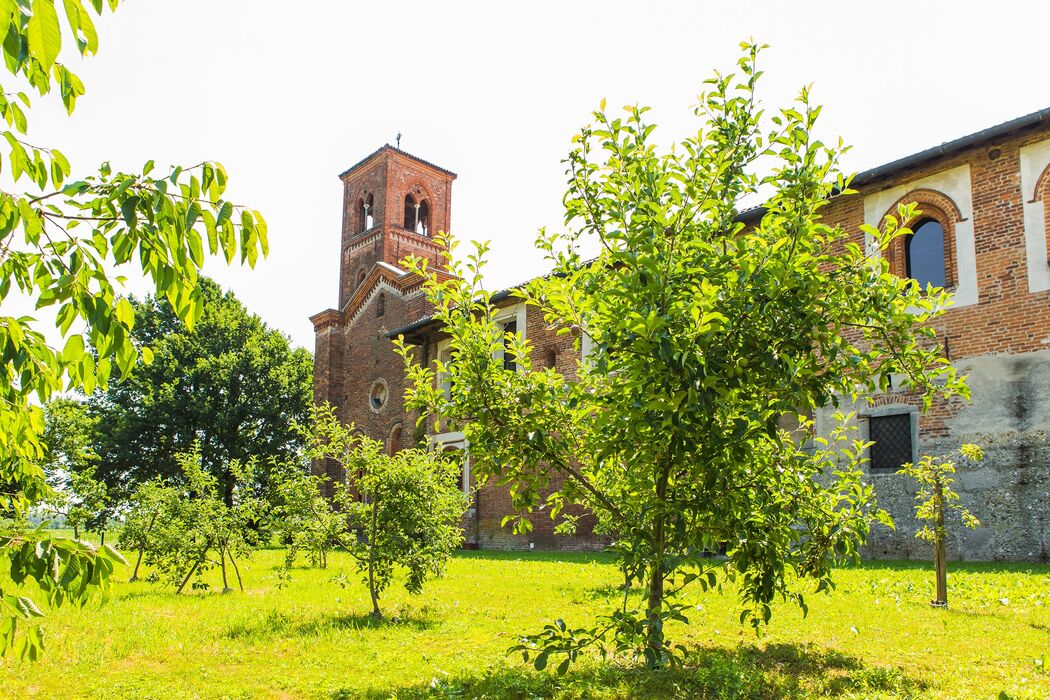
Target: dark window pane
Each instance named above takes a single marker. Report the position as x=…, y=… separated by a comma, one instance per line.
x=508, y=356
x=892, y=438
x=924, y=253
x=410, y=212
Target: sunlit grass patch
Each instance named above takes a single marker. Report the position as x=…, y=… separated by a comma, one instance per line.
x=873, y=637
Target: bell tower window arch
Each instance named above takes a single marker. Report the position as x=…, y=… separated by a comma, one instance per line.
x=365, y=213
x=417, y=215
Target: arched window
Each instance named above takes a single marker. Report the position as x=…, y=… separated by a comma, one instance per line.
x=365, y=213
x=552, y=358
x=1042, y=194
x=423, y=219
x=927, y=254
x=411, y=210
x=381, y=305
x=393, y=444
x=924, y=253
x=360, y=276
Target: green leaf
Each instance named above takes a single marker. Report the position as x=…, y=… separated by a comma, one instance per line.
x=128, y=209
x=7, y=10
x=125, y=312
x=45, y=37
x=225, y=212
x=193, y=241
x=74, y=348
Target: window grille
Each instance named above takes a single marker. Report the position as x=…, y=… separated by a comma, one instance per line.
x=891, y=436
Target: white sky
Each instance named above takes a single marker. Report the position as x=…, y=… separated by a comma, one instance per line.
x=289, y=94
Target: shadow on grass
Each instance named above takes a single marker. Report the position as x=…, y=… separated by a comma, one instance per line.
x=768, y=672
x=280, y=624
x=969, y=567
x=536, y=555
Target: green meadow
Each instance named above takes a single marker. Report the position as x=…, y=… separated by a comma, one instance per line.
x=874, y=636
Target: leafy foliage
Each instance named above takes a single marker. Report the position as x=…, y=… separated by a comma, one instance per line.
x=77, y=496
x=393, y=510
x=935, y=496
x=82, y=500
x=152, y=513
x=187, y=529
x=229, y=383
x=705, y=332
x=63, y=245
x=300, y=516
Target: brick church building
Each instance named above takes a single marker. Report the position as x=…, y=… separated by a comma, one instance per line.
x=983, y=233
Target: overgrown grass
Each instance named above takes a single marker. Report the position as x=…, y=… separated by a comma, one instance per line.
x=873, y=637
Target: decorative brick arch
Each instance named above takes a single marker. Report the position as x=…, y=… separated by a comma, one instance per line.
x=1042, y=194
x=931, y=205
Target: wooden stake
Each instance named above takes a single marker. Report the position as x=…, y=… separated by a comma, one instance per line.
x=940, y=562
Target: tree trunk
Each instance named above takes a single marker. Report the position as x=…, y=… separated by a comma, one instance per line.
x=138, y=563
x=193, y=569
x=228, y=482
x=237, y=570
x=142, y=549
x=376, y=612
x=655, y=604
x=222, y=561
x=940, y=561
x=76, y=532
x=103, y=535
x=654, y=607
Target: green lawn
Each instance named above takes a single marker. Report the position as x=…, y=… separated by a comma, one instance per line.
x=872, y=637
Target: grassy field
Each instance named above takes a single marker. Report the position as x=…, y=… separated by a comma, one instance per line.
x=872, y=637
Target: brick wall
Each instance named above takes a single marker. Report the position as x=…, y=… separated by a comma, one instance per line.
x=1002, y=340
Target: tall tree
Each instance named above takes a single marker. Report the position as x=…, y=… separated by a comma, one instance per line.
x=230, y=385
x=705, y=332
x=65, y=245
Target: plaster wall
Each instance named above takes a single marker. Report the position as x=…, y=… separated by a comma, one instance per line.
x=1009, y=491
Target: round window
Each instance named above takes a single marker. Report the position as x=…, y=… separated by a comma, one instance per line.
x=377, y=395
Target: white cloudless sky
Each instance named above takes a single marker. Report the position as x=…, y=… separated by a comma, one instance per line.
x=289, y=94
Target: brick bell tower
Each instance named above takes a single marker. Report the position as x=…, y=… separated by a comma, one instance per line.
x=394, y=204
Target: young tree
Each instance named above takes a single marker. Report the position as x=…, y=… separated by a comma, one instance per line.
x=82, y=501
x=934, y=499
x=230, y=383
x=153, y=508
x=200, y=531
x=705, y=331
x=70, y=464
x=393, y=510
x=300, y=517
x=65, y=245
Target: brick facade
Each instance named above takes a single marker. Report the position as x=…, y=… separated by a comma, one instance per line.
x=991, y=194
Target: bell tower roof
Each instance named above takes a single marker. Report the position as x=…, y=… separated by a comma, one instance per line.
x=387, y=147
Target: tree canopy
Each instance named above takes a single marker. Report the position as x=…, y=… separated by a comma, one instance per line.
x=65, y=244
x=705, y=332
x=230, y=385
